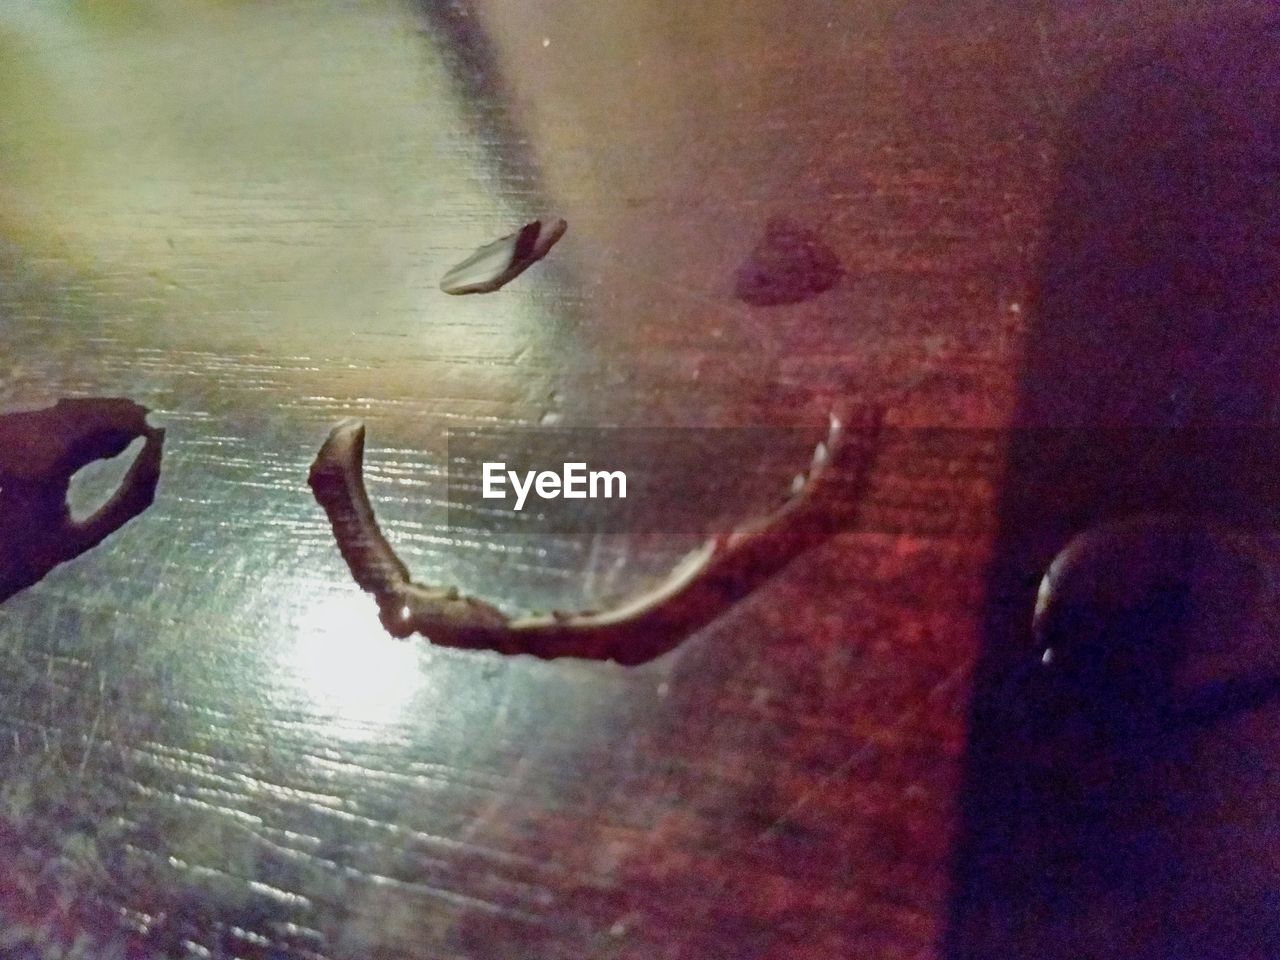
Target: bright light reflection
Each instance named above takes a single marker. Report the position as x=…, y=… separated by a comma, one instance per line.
x=349, y=669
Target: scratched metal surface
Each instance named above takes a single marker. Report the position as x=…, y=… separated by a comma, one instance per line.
x=237, y=215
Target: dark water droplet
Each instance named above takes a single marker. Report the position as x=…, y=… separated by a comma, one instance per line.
x=41, y=451
x=1161, y=620
x=498, y=263
x=790, y=264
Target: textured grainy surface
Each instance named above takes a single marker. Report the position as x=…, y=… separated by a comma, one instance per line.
x=1090, y=829
x=237, y=214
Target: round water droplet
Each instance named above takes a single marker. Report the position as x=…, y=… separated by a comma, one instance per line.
x=1161, y=615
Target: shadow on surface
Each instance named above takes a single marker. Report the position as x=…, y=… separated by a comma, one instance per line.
x=1090, y=826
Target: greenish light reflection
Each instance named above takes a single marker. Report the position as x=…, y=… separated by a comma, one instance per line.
x=358, y=680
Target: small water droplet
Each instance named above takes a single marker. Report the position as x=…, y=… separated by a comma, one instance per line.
x=550, y=418
x=790, y=264
x=498, y=263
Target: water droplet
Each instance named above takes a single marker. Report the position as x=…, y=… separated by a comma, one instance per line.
x=1167, y=616
x=95, y=483
x=550, y=418
x=789, y=265
x=498, y=263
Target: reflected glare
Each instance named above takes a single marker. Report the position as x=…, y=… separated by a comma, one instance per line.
x=251, y=178
x=351, y=672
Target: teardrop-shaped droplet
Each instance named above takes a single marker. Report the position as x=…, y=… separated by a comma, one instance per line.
x=498, y=263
